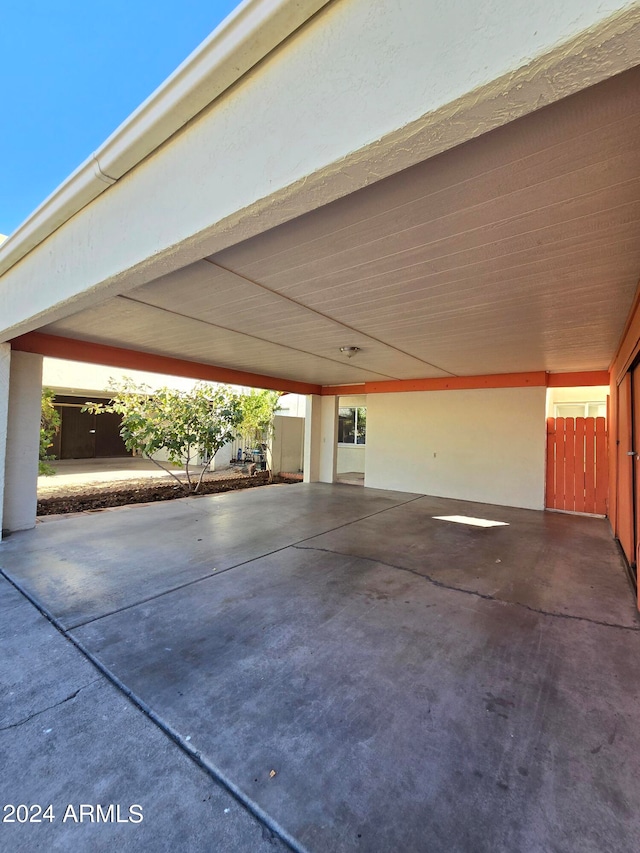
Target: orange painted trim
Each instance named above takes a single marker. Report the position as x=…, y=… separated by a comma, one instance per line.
x=455, y=383
x=578, y=380
x=75, y=350
x=342, y=390
x=447, y=383
x=535, y=379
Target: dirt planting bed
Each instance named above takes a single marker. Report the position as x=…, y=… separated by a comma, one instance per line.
x=93, y=497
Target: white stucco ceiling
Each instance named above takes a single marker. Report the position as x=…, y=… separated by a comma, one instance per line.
x=517, y=251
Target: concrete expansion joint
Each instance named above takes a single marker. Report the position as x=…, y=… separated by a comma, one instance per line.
x=68, y=698
x=269, y=826
x=214, y=572
x=472, y=592
x=146, y=600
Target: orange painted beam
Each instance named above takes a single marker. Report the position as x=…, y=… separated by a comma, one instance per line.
x=455, y=383
x=577, y=380
x=342, y=390
x=91, y=353
x=462, y=383
x=447, y=383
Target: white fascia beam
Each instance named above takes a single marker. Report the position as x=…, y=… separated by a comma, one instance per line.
x=360, y=93
x=239, y=43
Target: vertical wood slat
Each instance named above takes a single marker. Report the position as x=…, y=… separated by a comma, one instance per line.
x=577, y=470
x=550, y=480
x=569, y=464
x=560, y=457
x=590, y=466
x=579, y=503
x=602, y=468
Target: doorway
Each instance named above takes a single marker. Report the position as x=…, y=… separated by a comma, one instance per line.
x=352, y=439
x=83, y=435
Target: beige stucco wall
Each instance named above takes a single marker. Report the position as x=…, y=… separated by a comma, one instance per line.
x=353, y=400
x=22, y=439
x=477, y=445
x=5, y=373
x=351, y=458
x=287, y=444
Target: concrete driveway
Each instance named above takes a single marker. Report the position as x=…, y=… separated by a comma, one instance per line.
x=322, y=668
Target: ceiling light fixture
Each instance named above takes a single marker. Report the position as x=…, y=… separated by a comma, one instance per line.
x=349, y=351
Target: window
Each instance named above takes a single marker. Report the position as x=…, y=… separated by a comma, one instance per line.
x=352, y=424
x=580, y=410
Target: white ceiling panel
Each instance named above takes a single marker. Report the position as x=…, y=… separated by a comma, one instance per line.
x=224, y=299
x=123, y=323
x=518, y=251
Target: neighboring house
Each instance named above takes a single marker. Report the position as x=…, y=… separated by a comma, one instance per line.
x=83, y=435
x=86, y=436
x=590, y=402
x=429, y=207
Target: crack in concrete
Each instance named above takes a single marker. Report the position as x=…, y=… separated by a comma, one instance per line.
x=483, y=595
x=48, y=708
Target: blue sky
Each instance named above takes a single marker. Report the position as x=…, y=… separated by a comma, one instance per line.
x=71, y=72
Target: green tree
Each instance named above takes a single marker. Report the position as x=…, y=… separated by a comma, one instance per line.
x=258, y=412
x=49, y=426
x=187, y=424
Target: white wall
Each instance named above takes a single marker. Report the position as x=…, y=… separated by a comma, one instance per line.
x=320, y=439
x=351, y=458
x=5, y=373
x=292, y=406
x=329, y=441
x=222, y=459
x=352, y=400
x=477, y=445
x=287, y=444
x=23, y=442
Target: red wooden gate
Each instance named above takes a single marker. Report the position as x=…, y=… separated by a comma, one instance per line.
x=577, y=466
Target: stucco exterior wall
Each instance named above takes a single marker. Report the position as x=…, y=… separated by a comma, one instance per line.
x=23, y=441
x=5, y=373
x=351, y=458
x=287, y=444
x=329, y=441
x=480, y=445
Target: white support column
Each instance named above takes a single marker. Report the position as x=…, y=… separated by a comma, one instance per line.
x=320, y=439
x=329, y=443
x=5, y=368
x=22, y=442
x=312, y=428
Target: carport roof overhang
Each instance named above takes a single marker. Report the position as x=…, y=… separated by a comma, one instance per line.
x=487, y=238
